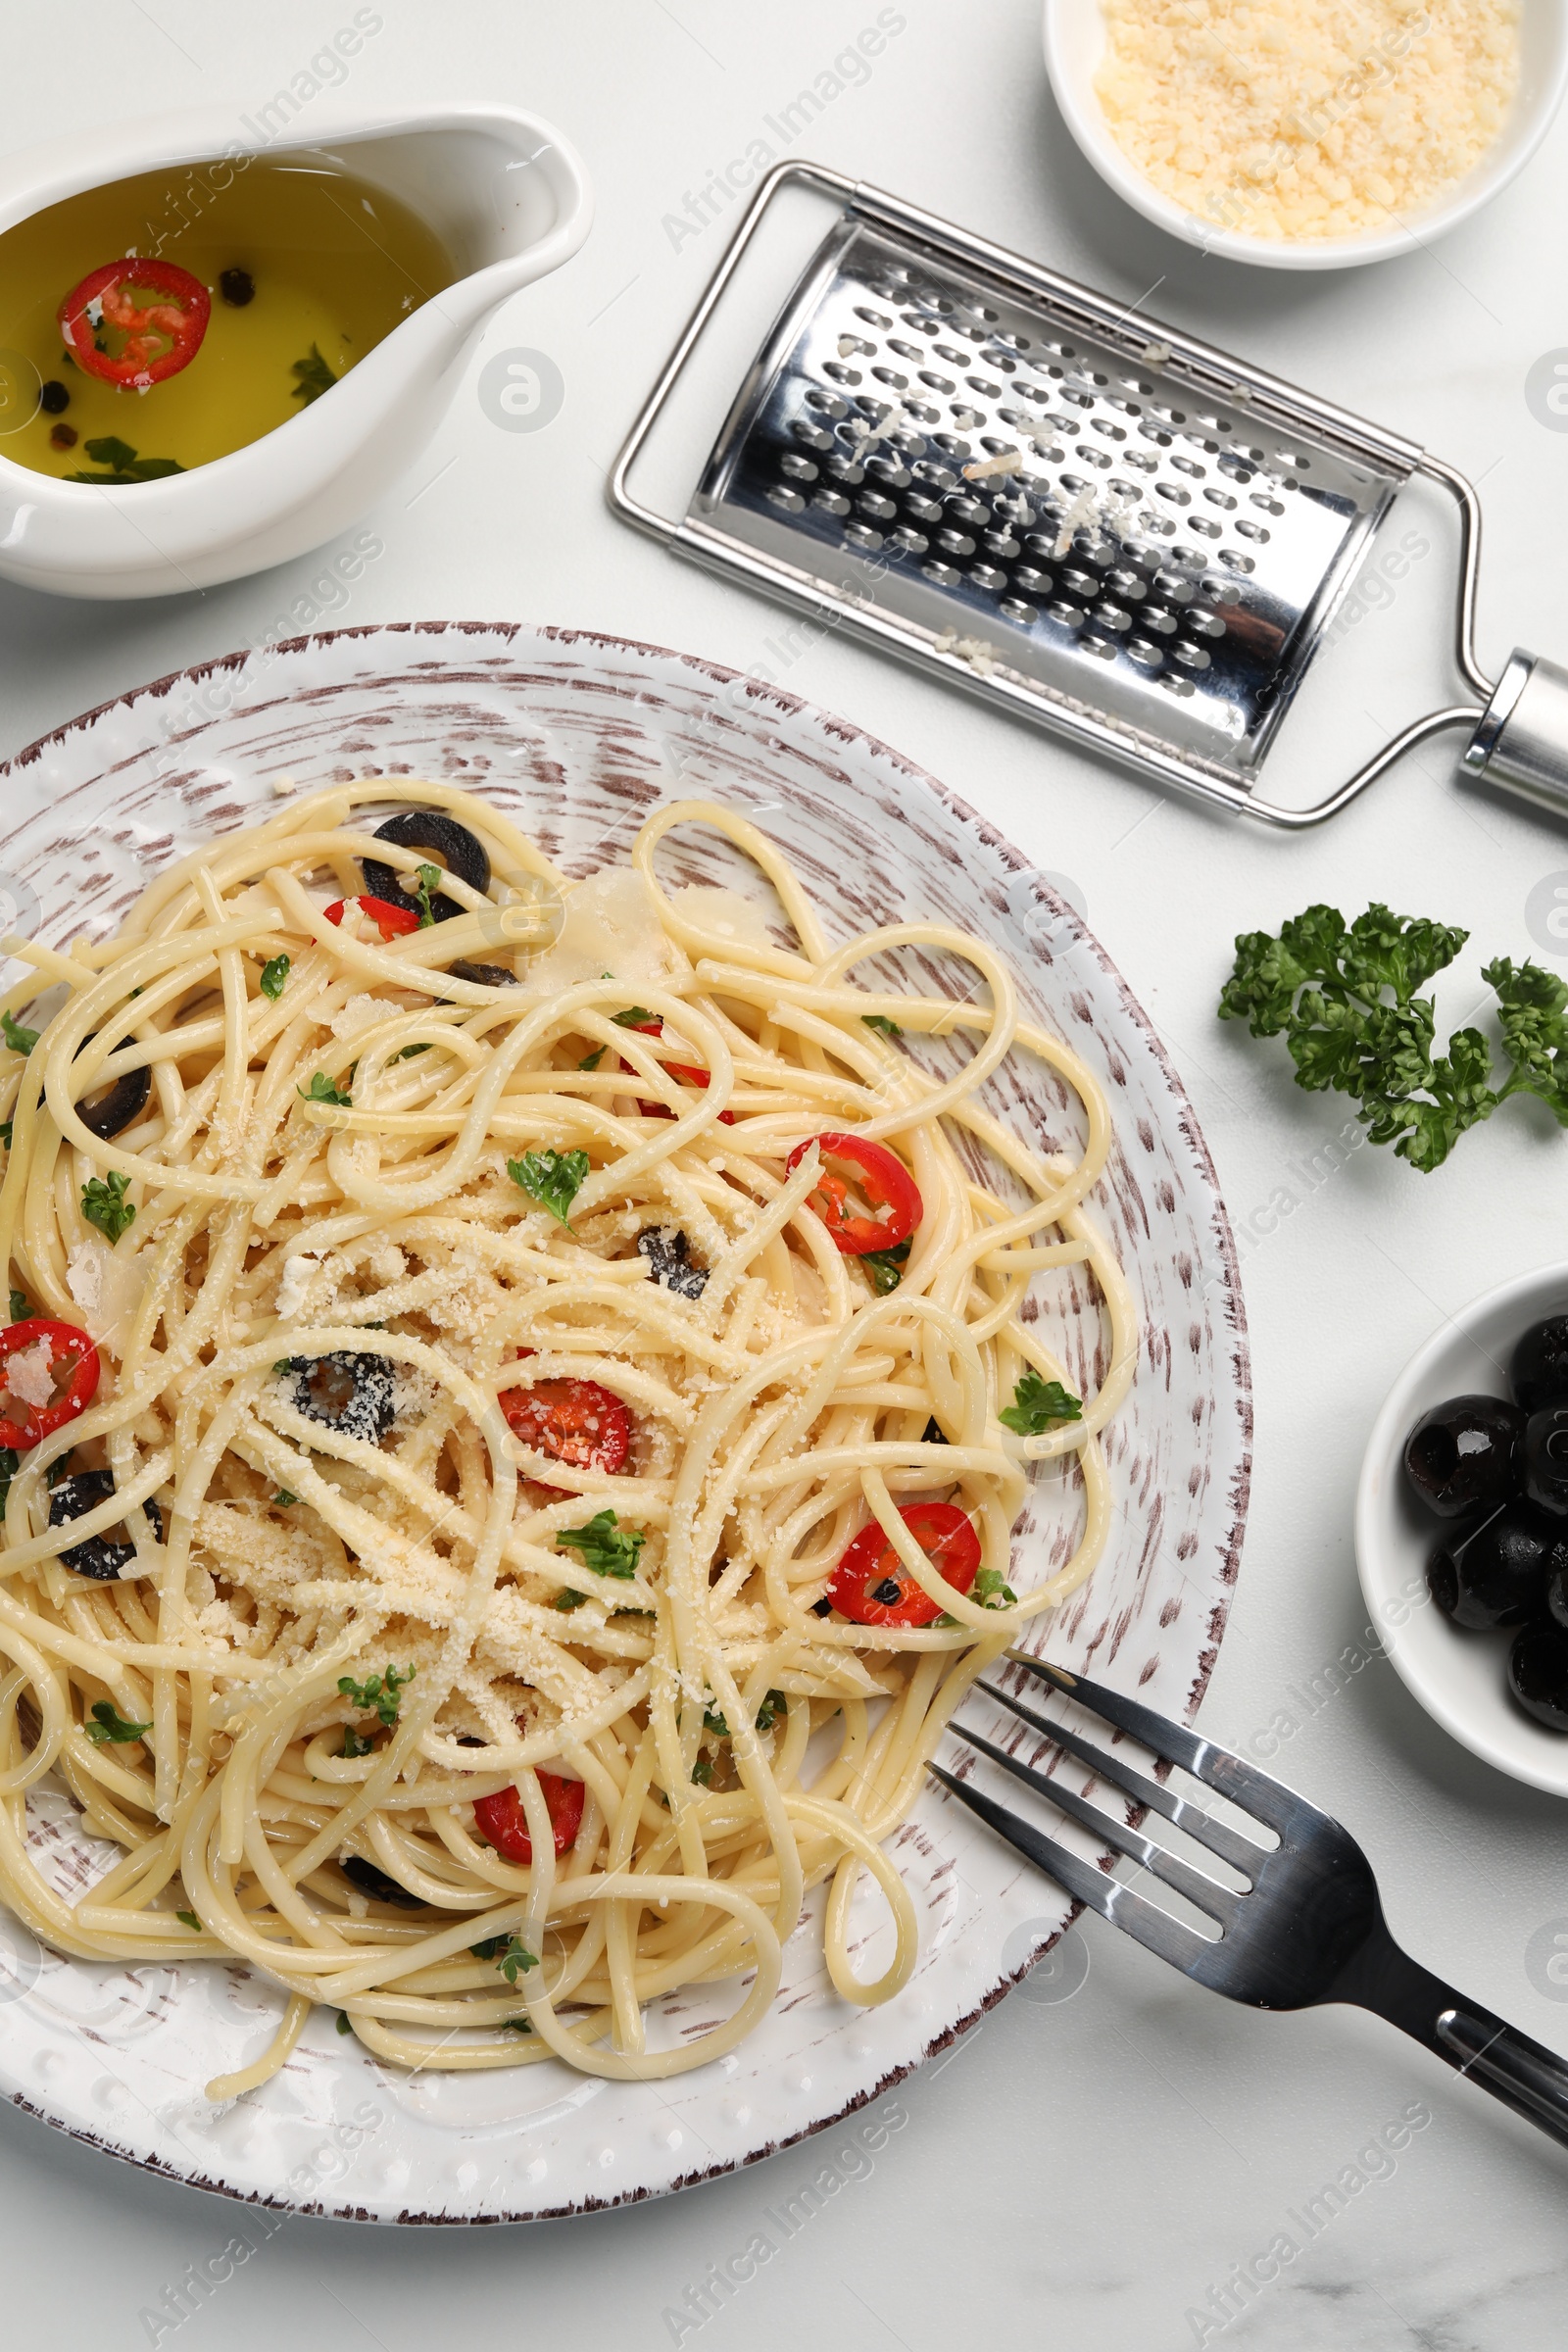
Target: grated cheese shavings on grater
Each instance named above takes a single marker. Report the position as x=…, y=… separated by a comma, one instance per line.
x=1310, y=119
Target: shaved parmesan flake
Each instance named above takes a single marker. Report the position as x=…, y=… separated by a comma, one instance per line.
x=611, y=924
x=27, y=1374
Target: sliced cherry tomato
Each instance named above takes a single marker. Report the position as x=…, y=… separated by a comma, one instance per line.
x=73, y=1358
x=160, y=310
x=880, y=1176
x=393, y=922
x=503, y=1822
x=574, y=1421
x=871, y=1584
x=683, y=1070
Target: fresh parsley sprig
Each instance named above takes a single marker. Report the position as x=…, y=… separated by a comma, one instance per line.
x=882, y=1024
x=275, y=977
x=378, y=1693
x=606, y=1549
x=635, y=1016
x=21, y=1040
x=1038, y=1405
x=315, y=375
x=104, y=1205
x=886, y=1267
x=106, y=1724
x=509, y=1954
x=552, y=1178
x=425, y=879
x=322, y=1089
x=1345, y=996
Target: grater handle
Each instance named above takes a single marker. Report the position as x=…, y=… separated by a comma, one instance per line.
x=1522, y=740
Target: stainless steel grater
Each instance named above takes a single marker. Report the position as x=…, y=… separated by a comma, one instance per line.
x=1096, y=522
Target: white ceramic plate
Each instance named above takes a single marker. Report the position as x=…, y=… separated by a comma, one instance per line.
x=1075, y=44
x=1459, y=1678
x=577, y=737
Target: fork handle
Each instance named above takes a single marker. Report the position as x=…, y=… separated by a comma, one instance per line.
x=1526, y=2075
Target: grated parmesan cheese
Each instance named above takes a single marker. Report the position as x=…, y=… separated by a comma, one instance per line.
x=1307, y=118
x=27, y=1374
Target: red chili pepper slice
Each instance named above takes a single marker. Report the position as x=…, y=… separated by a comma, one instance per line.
x=73, y=1355
x=503, y=1822
x=682, y=1070
x=862, y=1582
x=393, y=922
x=881, y=1177
x=160, y=309
x=574, y=1421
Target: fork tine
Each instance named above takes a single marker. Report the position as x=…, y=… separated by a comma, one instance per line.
x=1223, y=1770
x=1231, y=1847
x=1114, y=1901
x=1219, y=1902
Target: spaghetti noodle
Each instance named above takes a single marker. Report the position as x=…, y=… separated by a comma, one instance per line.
x=549, y=1472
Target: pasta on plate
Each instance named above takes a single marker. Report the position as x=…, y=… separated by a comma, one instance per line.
x=516, y=1400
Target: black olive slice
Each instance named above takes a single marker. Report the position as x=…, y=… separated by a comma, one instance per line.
x=73, y=1499
x=428, y=829
x=668, y=1252
x=484, y=975
x=125, y=1100
x=351, y=1394
x=934, y=1433
x=374, y=1882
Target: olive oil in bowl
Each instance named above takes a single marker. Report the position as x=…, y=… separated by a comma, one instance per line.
x=307, y=268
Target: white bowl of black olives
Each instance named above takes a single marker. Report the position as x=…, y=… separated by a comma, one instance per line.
x=1461, y=1526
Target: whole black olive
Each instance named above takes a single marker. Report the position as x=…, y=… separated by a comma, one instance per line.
x=1465, y=1454
x=1499, y=1573
x=1546, y=1459
x=1539, y=1372
x=460, y=851
x=1537, y=1672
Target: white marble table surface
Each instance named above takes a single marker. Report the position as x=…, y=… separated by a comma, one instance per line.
x=1081, y=2171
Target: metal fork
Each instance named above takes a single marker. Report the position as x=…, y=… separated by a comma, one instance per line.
x=1308, y=1929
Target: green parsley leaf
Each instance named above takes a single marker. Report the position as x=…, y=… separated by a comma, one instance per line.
x=107, y=1725
x=122, y=461
x=884, y=1026
x=1038, y=1404
x=61, y=1467
x=886, y=1267
x=552, y=1178
x=21, y=1040
x=1531, y=1005
x=284, y=1499
x=509, y=1954
x=275, y=977
x=635, y=1016
x=516, y=2024
x=315, y=378
x=775, y=1704
x=20, y=1309
x=992, y=1590
x=5, y=1133
x=104, y=1205
x=426, y=878
x=379, y=1692
x=408, y=1051
x=591, y=1061
x=356, y=1743
x=188, y=1919
x=1328, y=985
x=703, y=1772
x=345, y=2024
x=606, y=1549
x=322, y=1090
x=716, y=1724
x=567, y=1600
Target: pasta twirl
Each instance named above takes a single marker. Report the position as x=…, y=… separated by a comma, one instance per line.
x=564, y=1394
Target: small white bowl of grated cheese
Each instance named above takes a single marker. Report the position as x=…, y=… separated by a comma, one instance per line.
x=1307, y=134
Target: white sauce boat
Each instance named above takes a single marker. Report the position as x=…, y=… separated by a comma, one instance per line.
x=503, y=191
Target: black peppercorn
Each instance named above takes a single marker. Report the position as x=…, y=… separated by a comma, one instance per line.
x=54, y=398
x=238, y=288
